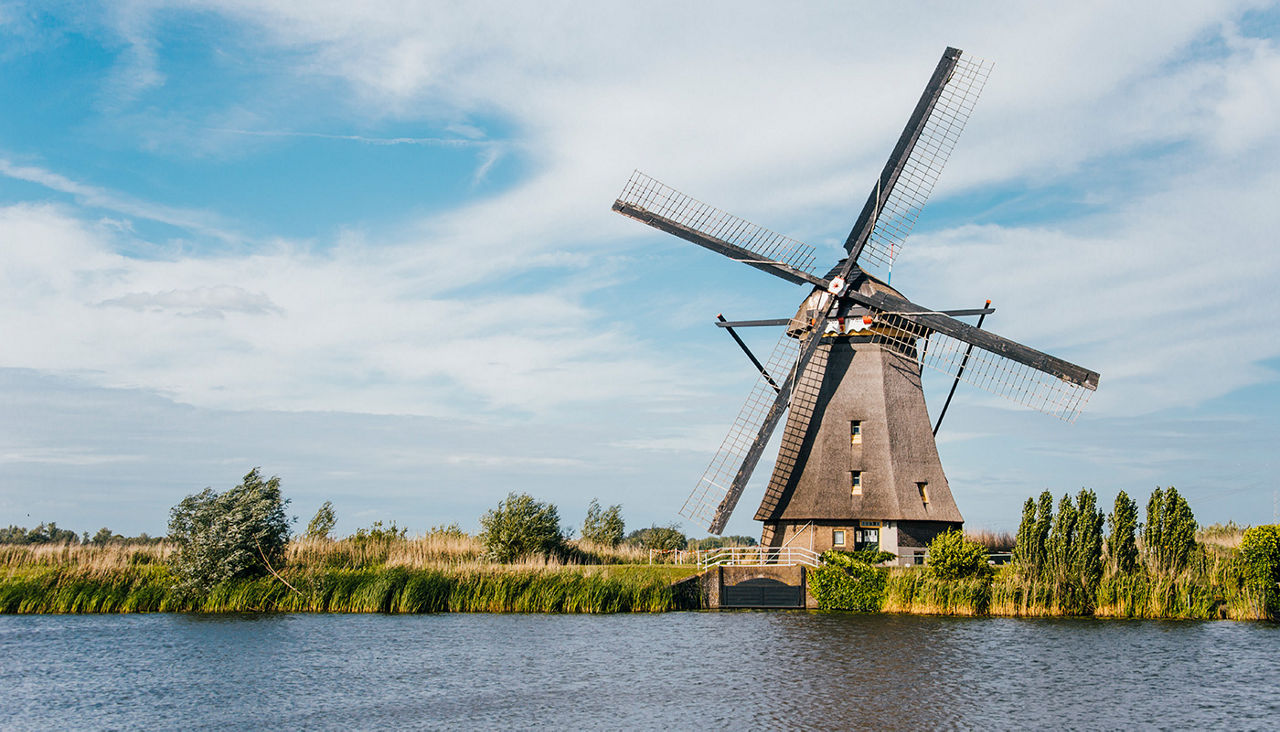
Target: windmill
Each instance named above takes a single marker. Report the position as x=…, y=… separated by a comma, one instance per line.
x=858, y=466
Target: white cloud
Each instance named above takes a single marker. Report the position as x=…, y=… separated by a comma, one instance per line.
x=98, y=197
x=358, y=329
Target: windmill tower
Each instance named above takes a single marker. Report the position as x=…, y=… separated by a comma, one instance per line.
x=858, y=466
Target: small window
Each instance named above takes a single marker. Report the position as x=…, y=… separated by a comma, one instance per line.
x=855, y=482
x=837, y=537
x=923, y=487
x=867, y=538
x=855, y=432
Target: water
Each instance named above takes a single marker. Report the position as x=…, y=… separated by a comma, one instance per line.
x=672, y=671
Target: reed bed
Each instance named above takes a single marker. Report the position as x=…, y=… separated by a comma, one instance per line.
x=391, y=589
x=916, y=591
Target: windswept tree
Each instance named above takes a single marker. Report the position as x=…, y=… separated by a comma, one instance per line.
x=323, y=522
x=603, y=526
x=221, y=536
x=521, y=526
x=1122, y=543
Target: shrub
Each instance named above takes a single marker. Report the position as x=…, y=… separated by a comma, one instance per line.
x=323, y=522
x=1260, y=554
x=866, y=556
x=842, y=583
x=603, y=527
x=231, y=535
x=951, y=556
x=520, y=526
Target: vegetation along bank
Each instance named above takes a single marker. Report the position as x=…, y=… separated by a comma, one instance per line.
x=232, y=552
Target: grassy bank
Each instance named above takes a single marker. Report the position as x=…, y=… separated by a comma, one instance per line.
x=431, y=574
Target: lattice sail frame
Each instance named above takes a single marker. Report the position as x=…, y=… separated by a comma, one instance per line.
x=919, y=174
x=658, y=198
x=981, y=368
x=712, y=488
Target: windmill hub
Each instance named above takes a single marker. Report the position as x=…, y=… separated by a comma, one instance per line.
x=858, y=466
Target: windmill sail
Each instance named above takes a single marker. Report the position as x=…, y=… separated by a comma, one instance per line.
x=926, y=144
x=663, y=207
x=721, y=479
x=997, y=365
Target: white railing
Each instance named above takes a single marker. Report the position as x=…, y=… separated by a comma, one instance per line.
x=758, y=556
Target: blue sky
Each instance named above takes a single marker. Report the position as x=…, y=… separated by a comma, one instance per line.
x=368, y=247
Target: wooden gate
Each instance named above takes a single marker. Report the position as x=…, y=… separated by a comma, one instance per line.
x=762, y=592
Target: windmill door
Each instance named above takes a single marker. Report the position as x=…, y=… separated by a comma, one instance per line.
x=762, y=592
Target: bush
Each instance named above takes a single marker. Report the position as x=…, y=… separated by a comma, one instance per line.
x=951, y=556
x=843, y=583
x=520, y=526
x=231, y=535
x=1260, y=553
x=603, y=527
x=865, y=556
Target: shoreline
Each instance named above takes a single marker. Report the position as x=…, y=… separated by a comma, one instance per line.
x=571, y=589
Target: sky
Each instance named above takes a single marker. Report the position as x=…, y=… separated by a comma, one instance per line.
x=368, y=247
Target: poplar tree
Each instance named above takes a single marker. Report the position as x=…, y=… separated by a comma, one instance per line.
x=1179, y=531
x=1088, y=549
x=1170, y=534
x=1024, y=546
x=1153, y=530
x=1122, y=544
x=1040, y=536
x=1062, y=539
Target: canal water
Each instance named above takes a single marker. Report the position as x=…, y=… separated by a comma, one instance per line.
x=757, y=670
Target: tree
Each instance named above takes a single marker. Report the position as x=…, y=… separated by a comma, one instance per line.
x=1122, y=544
x=603, y=527
x=951, y=556
x=1024, y=548
x=664, y=538
x=1170, y=533
x=1088, y=548
x=1040, y=532
x=105, y=536
x=230, y=535
x=1153, y=530
x=520, y=526
x=322, y=523
x=1062, y=540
